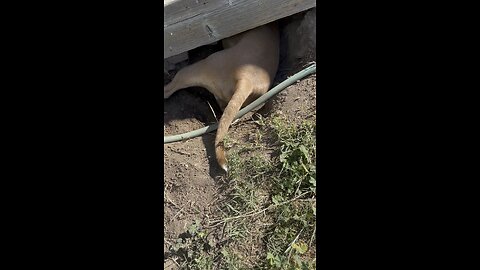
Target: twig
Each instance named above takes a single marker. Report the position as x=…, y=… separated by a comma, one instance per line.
x=212, y=110
x=252, y=213
x=298, y=188
x=179, y=152
x=294, y=240
x=168, y=242
x=170, y=201
x=313, y=236
x=179, y=211
x=175, y=261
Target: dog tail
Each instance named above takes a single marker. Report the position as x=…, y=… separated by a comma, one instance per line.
x=243, y=89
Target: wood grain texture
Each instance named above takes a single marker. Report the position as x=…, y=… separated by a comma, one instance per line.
x=192, y=23
x=176, y=11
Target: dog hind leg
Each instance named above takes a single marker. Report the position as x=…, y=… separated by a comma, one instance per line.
x=188, y=76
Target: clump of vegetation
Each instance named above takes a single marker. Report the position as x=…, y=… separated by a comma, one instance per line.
x=267, y=219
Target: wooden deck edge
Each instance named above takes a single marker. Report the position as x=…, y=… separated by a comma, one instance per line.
x=204, y=22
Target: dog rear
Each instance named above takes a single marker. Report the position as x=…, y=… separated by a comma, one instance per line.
x=254, y=58
x=236, y=76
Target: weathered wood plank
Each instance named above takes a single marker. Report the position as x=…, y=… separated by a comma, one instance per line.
x=198, y=26
x=179, y=10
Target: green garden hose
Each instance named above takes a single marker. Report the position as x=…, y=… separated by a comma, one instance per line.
x=277, y=89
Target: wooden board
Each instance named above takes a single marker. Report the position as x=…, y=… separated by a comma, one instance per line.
x=192, y=23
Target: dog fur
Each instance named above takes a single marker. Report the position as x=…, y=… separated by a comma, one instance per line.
x=236, y=76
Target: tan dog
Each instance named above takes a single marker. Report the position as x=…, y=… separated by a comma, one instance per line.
x=236, y=76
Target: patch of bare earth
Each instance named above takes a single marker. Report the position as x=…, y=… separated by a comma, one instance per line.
x=193, y=182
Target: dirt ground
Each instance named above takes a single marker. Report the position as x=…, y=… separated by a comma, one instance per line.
x=192, y=179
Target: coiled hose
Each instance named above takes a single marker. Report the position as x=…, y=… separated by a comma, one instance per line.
x=264, y=98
